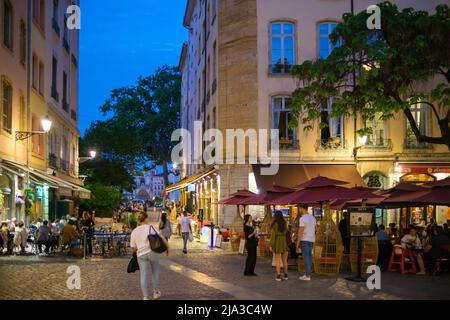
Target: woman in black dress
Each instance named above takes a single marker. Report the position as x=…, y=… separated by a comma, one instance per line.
x=251, y=245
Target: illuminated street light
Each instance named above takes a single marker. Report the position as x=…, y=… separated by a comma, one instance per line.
x=92, y=153
x=46, y=124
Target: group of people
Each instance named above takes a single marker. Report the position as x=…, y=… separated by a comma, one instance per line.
x=301, y=235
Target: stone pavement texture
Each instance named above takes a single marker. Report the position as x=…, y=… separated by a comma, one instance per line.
x=201, y=274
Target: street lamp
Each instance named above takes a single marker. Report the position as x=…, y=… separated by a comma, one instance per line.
x=46, y=125
x=92, y=155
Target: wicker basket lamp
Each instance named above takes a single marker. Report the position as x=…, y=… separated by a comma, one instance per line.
x=328, y=247
x=369, y=253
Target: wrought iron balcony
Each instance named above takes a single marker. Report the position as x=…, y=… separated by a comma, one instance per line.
x=52, y=161
x=378, y=143
x=334, y=143
x=412, y=143
x=55, y=27
x=280, y=68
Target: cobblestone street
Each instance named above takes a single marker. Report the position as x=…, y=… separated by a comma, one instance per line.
x=202, y=274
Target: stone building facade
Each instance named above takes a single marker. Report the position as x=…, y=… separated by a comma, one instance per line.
x=236, y=75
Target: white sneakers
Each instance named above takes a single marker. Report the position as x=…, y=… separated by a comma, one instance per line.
x=305, y=278
x=156, y=296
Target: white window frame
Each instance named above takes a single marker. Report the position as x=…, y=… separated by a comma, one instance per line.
x=327, y=36
x=282, y=109
x=282, y=37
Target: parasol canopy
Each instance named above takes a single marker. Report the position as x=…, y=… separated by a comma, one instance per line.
x=271, y=196
x=437, y=195
x=320, y=181
x=317, y=195
x=238, y=198
x=440, y=183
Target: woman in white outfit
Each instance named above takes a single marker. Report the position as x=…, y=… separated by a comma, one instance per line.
x=146, y=257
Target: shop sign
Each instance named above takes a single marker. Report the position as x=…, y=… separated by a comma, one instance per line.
x=66, y=192
x=404, y=169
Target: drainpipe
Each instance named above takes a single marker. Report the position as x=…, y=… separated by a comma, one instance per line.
x=29, y=26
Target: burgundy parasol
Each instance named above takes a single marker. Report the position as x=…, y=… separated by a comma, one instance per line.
x=320, y=182
x=238, y=198
x=271, y=196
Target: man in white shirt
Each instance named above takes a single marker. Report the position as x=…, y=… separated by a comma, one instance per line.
x=186, y=229
x=305, y=240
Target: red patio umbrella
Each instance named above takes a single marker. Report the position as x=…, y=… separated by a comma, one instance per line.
x=429, y=196
x=440, y=183
x=238, y=198
x=322, y=194
x=320, y=182
x=270, y=196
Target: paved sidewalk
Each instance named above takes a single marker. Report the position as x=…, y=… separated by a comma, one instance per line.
x=201, y=274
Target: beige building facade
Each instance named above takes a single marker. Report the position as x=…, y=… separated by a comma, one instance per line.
x=39, y=70
x=236, y=75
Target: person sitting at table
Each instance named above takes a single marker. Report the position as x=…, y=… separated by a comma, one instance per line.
x=411, y=242
x=44, y=237
x=69, y=234
x=381, y=234
x=438, y=247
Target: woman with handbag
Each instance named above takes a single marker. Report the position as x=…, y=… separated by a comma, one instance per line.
x=279, y=244
x=147, y=257
x=251, y=244
x=165, y=227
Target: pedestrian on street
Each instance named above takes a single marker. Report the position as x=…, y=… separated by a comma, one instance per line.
x=165, y=227
x=43, y=237
x=305, y=239
x=146, y=257
x=88, y=228
x=251, y=244
x=186, y=229
x=279, y=245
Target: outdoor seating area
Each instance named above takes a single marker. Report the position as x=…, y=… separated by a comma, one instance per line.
x=408, y=246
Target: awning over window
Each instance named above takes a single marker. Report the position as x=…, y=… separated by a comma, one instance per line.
x=291, y=175
x=65, y=188
x=188, y=180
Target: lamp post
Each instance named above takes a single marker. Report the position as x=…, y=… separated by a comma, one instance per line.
x=46, y=125
x=92, y=155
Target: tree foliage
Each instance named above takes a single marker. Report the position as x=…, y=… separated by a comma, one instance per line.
x=104, y=199
x=406, y=62
x=141, y=120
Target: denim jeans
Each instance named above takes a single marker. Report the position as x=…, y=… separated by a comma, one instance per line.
x=146, y=261
x=306, y=247
x=185, y=236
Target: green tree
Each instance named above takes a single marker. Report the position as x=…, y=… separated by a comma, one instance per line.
x=104, y=199
x=141, y=120
x=393, y=67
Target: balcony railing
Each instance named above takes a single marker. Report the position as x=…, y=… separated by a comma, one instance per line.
x=334, y=143
x=52, y=161
x=66, y=45
x=55, y=27
x=378, y=143
x=55, y=94
x=65, y=105
x=64, y=165
x=412, y=143
x=280, y=68
x=288, y=144
x=214, y=87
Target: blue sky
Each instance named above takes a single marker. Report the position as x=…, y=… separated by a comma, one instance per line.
x=121, y=40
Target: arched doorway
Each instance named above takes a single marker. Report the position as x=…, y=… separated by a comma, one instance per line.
x=142, y=194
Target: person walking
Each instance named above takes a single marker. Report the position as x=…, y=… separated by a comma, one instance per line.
x=88, y=228
x=305, y=239
x=165, y=226
x=279, y=245
x=186, y=229
x=146, y=257
x=251, y=244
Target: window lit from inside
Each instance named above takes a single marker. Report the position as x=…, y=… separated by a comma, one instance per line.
x=282, y=114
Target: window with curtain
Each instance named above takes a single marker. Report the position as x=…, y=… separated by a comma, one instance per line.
x=281, y=115
x=420, y=114
x=7, y=107
x=324, y=44
x=332, y=134
x=282, y=44
x=7, y=24
x=378, y=126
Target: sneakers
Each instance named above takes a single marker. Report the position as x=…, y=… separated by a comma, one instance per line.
x=156, y=295
x=285, y=277
x=305, y=278
x=278, y=278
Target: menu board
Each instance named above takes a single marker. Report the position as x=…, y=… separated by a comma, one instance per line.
x=361, y=222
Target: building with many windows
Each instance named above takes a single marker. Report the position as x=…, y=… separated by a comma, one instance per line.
x=236, y=75
x=39, y=80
